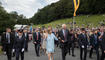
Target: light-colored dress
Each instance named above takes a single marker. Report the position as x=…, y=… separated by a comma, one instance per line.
x=44, y=41
x=50, y=43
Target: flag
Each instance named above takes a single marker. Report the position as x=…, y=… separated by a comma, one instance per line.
x=76, y=6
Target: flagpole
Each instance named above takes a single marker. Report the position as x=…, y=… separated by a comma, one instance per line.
x=76, y=6
x=73, y=22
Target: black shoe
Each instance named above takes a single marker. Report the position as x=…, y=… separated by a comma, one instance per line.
x=69, y=54
x=90, y=57
x=13, y=55
x=73, y=55
x=26, y=51
x=38, y=55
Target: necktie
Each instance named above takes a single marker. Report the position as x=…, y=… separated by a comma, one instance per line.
x=8, y=37
x=16, y=34
x=37, y=35
x=65, y=34
x=25, y=34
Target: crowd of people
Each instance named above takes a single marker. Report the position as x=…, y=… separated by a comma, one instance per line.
x=15, y=43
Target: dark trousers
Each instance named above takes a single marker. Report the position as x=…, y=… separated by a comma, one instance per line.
x=103, y=55
x=83, y=50
x=64, y=49
x=97, y=52
x=37, y=48
x=8, y=52
x=57, y=43
x=71, y=46
x=4, y=47
x=18, y=52
x=100, y=46
x=26, y=46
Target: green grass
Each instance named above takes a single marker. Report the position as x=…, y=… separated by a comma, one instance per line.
x=81, y=21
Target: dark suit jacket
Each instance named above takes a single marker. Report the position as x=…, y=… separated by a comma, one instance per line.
x=35, y=38
x=5, y=40
x=26, y=37
x=92, y=41
x=72, y=38
x=83, y=40
x=19, y=43
x=61, y=35
x=103, y=41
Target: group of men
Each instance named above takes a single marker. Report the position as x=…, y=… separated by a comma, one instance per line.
x=95, y=39
x=15, y=43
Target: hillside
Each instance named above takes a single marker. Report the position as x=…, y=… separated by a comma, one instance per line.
x=64, y=9
x=92, y=20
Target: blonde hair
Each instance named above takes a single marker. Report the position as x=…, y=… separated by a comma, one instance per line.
x=49, y=30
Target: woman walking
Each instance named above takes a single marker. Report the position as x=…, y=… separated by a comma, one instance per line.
x=45, y=33
x=50, y=44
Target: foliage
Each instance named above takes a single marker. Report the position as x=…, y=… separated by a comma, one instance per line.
x=81, y=21
x=5, y=20
x=10, y=19
x=64, y=9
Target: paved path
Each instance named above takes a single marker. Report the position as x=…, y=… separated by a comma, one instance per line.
x=57, y=56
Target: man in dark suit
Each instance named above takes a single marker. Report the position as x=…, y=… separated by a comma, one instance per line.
x=19, y=45
x=72, y=42
x=94, y=44
x=8, y=40
x=83, y=43
x=103, y=46
x=64, y=37
x=15, y=34
x=3, y=45
x=26, y=39
x=37, y=41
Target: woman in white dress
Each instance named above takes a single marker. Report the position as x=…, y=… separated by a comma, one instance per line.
x=50, y=44
x=44, y=40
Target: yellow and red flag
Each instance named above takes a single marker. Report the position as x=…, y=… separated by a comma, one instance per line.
x=76, y=6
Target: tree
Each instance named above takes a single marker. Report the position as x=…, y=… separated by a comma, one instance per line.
x=10, y=19
x=64, y=9
x=5, y=20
